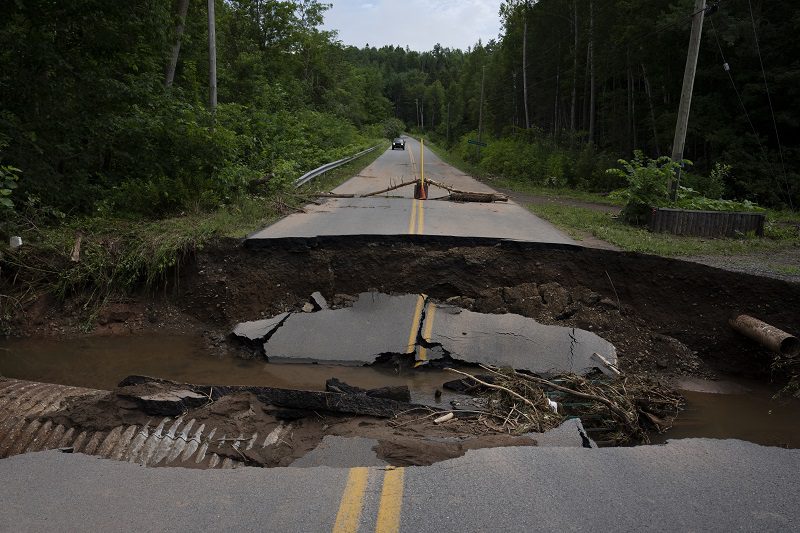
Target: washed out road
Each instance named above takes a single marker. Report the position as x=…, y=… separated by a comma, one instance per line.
x=693, y=484
x=397, y=213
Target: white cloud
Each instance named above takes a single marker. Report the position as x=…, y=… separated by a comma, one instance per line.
x=419, y=24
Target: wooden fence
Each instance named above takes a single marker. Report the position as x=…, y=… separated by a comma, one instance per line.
x=706, y=223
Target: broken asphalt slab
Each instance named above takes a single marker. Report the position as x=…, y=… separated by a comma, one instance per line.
x=379, y=325
x=258, y=330
x=376, y=325
x=510, y=340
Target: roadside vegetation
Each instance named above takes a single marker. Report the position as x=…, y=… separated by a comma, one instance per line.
x=109, y=138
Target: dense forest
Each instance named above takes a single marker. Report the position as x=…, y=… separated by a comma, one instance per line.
x=572, y=85
x=105, y=107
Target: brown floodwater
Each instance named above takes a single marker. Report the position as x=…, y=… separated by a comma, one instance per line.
x=715, y=409
x=102, y=362
x=740, y=409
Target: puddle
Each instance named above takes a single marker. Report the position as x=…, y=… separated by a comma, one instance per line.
x=102, y=362
x=735, y=410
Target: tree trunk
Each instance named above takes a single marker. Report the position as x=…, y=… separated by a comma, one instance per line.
x=525, y=66
x=558, y=93
x=652, y=110
x=212, y=57
x=591, y=74
x=183, y=9
x=572, y=109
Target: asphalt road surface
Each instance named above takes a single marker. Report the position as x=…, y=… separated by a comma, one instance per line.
x=689, y=485
x=397, y=213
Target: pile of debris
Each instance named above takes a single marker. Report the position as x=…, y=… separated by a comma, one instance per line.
x=615, y=411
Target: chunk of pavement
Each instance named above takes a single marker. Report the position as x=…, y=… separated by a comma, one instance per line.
x=341, y=452
x=165, y=403
x=308, y=307
x=512, y=341
x=377, y=324
x=258, y=329
x=570, y=434
x=318, y=301
x=400, y=393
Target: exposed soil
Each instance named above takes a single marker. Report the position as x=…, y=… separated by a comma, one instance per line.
x=672, y=320
x=409, y=439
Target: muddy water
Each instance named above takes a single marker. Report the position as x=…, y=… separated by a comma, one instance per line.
x=102, y=362
x=738, y=410
x=742, y=410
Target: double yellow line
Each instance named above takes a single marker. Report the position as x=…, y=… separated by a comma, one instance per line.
x=416, y=223
x=389, y=508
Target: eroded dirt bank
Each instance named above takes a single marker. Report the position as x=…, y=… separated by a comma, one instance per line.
x=672, y=315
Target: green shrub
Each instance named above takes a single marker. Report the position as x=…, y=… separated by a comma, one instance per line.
x=647, y=184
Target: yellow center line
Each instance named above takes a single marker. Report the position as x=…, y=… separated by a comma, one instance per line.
x=412, y=335
x=420, y=217
x=352, y=500
x=430, y=313
x=391, y=502
x=413, y=219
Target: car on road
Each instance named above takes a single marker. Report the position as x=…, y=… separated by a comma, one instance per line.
x=399, y=143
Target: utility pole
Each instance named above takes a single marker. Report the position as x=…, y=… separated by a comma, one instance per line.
x=480, y=112
x=183, y=9
x=422, y=111
x=212, y=57
x=416, y=102
x=682, y=125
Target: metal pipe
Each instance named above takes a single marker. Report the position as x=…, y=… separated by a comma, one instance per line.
x=768, y=336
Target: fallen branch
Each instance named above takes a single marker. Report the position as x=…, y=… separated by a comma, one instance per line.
x=334, y=195
x=497, y=387
x=457, y=195
x=393, y=187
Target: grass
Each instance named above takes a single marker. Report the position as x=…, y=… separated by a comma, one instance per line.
x=578, y=222
x=119, y=255
x=780, y=232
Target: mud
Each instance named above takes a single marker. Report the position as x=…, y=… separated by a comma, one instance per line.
x=410, y=438
x=672, y=315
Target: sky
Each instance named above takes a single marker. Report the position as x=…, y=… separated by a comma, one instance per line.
x=418, y=24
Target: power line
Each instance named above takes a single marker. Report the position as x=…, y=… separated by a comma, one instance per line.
x=771, y=109
x=726, y=67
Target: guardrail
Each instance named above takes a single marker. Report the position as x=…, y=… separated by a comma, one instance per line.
x=308, y=176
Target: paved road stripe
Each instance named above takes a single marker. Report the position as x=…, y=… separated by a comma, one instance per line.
x=430, y=313
x=412, y=335
x=421, y=217
x=391, y=502
x=413, y=219
x=352, y=500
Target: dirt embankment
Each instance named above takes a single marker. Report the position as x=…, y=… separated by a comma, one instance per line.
x=664, y=316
